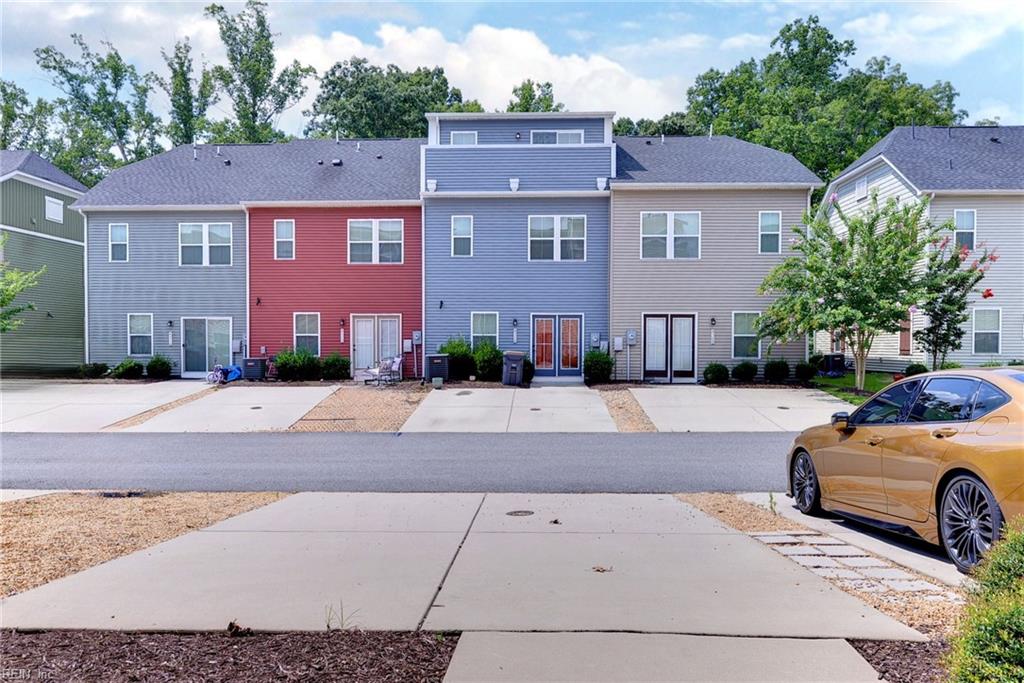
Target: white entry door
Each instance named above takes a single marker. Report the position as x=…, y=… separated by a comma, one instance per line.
x=363, y=343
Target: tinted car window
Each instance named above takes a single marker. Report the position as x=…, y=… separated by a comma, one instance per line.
x=944, y=399
x=887, y=407
x=988, y=399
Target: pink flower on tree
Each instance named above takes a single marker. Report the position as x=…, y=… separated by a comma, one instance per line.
x=964, y=251
x=987, y=294
x=833, y=198
x=914, y=309
x=944, y=243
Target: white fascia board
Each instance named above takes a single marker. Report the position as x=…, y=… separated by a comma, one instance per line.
x=475, y=115
x=41, y=183
x=641, y=186
x=162, y=207
x=974, y=192
x=508, y=194
x=329, y=204
x=41, y=235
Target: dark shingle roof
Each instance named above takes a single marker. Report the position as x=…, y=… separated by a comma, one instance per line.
x=30, y=163
x=956, y=158
x=714, y=160
x=371, y=170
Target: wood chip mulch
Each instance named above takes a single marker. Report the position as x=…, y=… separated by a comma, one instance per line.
x=136, y=420
x=899, y=661
x=364, y=409
x=629, y=416
x=322, y=656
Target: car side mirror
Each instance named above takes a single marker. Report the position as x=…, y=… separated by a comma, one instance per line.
x=841, y=421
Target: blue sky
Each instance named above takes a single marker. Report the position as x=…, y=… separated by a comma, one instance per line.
x=635, y=58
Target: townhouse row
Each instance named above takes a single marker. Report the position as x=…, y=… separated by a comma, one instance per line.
x=537, y=232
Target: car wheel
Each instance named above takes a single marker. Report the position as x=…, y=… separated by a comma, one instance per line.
x=969, y=521
x=804, y=484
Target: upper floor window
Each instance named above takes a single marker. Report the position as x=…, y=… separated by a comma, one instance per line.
x=54, y=210
x=284, y=239
x=307, y=332
x=140, y=334
x=463, y=137
x=860, y=190
x=117, y=241
x=770, y=226
x=556, y=137
x=670, y=235
x=204, y=244
x=483, y=328
x=988, y=330
x=964, y=220
x=462, y=235
x=375, y=240
x=745, y=342
x=558, y=238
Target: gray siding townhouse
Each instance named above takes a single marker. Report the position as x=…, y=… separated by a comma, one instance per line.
x=974, y=177
x=41, y=229
x=697, y=223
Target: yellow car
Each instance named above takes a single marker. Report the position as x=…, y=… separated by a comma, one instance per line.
x=938, y=455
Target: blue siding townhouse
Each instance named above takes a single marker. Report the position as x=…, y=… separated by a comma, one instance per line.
x=516, y=233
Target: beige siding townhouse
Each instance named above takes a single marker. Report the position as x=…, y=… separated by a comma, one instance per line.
x=697, y=223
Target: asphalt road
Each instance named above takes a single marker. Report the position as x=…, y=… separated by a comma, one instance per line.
x=563, y=463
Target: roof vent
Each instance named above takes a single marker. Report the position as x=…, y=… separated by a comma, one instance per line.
x=647, y=142
x=359, y=147
x=335, y=162
x=218, y=150
x=319, y=162
x=993, y=139
x=380, y=156
x=227, y=162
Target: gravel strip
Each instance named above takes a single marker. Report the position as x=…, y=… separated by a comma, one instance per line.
x=739, y=514
x=364, y=409
x=153, y=412
x=629, y=416
x=899, y=661
x=327, y=656
x=45, y=538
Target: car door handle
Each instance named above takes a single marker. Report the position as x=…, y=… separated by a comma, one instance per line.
x=943, y=432
x=875, y=440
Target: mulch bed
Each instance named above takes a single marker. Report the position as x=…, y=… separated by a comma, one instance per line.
x=322, y=656
x=900, y=661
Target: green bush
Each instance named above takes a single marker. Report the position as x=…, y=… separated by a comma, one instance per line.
x=129, y=368
x=488, y=359
x=528, y=371
x=915, y=369
x=336, y=366
x=745, y=372
x=805, y=372
x=817, y=361
x=716, y=373
x=297, y=366
x=461, y=363
x=992, y=364
x=989, y=643
x=776, y=371
x=949, y=365
x=1016, y=361
x=92, y=370
x=598, y=367
x=158, y=367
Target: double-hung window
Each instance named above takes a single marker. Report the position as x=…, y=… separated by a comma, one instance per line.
x=745, y=342
x=307, y=332
x=284, y=239
x=988, y=329
x=670, y=234
x=54, y=210
x=463, y=137
x=556, y=137
x=860, y=189
x=558, y=238
x=204, y=244
x=964, y=221
x=140, y=334
x=484, y=328
x=462, y=235
x=117, y=241
x=770, y=229
x=375, y=240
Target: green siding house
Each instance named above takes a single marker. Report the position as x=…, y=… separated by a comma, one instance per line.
x=41, y=230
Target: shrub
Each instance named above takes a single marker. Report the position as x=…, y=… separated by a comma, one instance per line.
x=598, y=367
x=716, y=373
x=1016, y=361
x=129, y=368
x=297, y=366
x=528, y=371
x=158, y=367
x=745, y=372
x=776, y=371
x=336, y=366
x=805, y=372
x=489, y=360
x=92, y=370
x=817, y=361
x=915, y=369
x=989, y=643
x=461, y=363
x=949, y=365
x=992, y=364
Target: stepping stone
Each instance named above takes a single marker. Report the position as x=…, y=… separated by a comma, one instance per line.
x=776, y=539
x=864, y=586
x=797, y=550
x=808, y=561
x=830, y=573
x=822, y=540
x=862, y=562
x=841, y=550
x=886, y=573
x=915, y=586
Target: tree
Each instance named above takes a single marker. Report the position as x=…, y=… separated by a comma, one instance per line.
x=948, y=283
x=257, y=95
x=994, y=121
x=13, y=282
x=859, y=280
x=190, y=96
x=530, y=96
x=23, y=124
x=676, y=123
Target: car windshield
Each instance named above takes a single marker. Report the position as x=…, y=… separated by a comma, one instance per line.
x=887, y=407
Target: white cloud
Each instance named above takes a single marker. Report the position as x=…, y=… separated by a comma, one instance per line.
x=745, y=41
x=995, y=109
x=580, y=36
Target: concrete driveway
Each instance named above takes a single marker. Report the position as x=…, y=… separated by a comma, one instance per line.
x=538, y=409
x=56, y=406
x=694, y=408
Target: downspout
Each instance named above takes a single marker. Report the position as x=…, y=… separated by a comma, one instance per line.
x=85, y=276
x=248, y=313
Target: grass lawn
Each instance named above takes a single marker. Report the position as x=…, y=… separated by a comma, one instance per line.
x=842, y=387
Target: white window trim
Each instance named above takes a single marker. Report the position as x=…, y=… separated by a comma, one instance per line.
x=497, y=327
x=128, y=340
x=295, y=334
x=860, y=188
x=206, y=245
x=760, y=233
x=375, y=258
x=975, y=330
x=557, y=238
x=973, y=231
x=470, y=238
x=670, y=245
x=53, y=201
x=277, y=239
x=582, y=133
x=127, y=249
x=453, y=133
x=732, y=346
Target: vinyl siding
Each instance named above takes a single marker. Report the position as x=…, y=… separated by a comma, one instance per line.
x=52, y=338
x=480, y=169
x=24, y=206
x=153, y=282
x=725, y=278
x=503, y=131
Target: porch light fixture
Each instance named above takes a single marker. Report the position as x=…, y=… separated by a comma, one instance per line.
x=170, y=323
x=431, y=185
x=519, y=136
x=513, y=184
x=602, y=183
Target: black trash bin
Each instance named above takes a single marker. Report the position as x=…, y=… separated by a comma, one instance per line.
x=437, y=366
x=512, y=369
x=835, y=363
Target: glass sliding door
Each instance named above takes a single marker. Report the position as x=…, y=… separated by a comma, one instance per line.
x=205, y=342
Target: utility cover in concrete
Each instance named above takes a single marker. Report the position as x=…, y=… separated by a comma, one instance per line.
x=600, y=657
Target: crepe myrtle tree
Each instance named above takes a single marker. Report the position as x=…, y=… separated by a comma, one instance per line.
x=858, y=279
x=14, y=281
